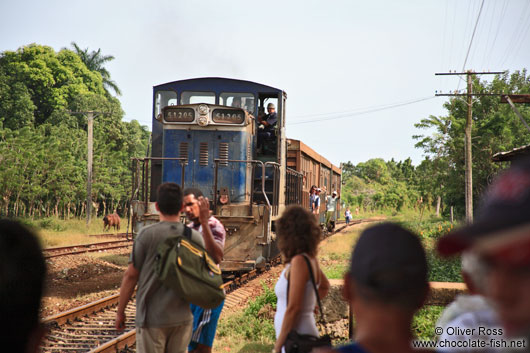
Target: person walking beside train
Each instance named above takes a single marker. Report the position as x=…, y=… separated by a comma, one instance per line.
x=298, y=235
x=214, y=234
x=266, y=126
x=331, y=206
x=163, y=320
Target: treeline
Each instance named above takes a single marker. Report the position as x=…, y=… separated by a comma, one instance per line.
x=437, y=183
x=44, y=97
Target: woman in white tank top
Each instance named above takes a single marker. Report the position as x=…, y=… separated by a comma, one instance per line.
x=298, y=235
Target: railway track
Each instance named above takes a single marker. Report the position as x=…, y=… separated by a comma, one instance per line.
x=111, y=235
x=84, y=248
x=90, y=328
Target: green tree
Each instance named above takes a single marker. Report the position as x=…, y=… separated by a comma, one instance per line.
x=43, y=138
x=495, y=128
x=94, y=61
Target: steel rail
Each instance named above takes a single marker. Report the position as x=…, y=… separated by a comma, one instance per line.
x=92, y=247
x=128, y=338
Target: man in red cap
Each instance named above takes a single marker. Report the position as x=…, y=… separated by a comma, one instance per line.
x=500, y=238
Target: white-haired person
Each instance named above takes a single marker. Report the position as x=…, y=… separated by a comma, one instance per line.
x=470, y=311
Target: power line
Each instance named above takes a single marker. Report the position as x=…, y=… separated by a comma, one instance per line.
x=473, y=35
x=499, y=25
x=349, y=112
x=357, y=113
x=471, y=41
x=518, y=36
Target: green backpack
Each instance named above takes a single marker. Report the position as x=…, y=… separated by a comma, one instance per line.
x=184, y=265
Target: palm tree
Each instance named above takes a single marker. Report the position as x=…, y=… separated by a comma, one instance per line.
x=94, y=61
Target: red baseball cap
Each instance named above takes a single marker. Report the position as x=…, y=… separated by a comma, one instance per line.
x=502, y=227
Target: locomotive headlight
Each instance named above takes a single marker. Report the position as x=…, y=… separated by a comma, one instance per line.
x=203, y=120
x=203, y=109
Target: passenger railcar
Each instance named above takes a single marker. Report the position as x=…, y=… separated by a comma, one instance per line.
x=316, y=170
x=204, y=135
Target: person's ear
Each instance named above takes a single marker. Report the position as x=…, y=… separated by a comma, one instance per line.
x=426, y=293
x=156, y=207
x=348, y=289
x=469, y=283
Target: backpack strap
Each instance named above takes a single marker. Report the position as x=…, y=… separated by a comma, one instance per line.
x=314, y=287
x=187, y=232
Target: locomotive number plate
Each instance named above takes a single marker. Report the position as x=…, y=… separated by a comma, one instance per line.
x=179, y=115
x=228, y=116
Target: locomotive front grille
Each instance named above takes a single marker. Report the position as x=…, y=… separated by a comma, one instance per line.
x=203, y=154
x=183, y=152
x=223, y=154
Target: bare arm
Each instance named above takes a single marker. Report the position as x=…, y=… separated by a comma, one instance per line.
x=129, y=281
x=213, y=248
x=298, y=277
x=323, y=288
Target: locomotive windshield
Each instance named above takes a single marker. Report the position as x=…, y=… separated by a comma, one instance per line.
x=164, y=99
x=188, y=97
x=238, y=100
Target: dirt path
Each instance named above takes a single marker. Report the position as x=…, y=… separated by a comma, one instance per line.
x=79, y=279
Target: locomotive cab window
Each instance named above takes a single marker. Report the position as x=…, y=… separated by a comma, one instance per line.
x=189, y=97
x=269, y=121
x=238, y=100
x=164, y=99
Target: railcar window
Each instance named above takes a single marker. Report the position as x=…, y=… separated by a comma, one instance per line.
x=164, y=99
x=238, y=100
x=189, y=97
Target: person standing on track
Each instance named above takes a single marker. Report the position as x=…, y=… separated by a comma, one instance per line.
x=163, y=320
x=347, y=216
x=214, y=234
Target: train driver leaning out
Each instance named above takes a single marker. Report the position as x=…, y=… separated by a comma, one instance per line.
x=267, y=124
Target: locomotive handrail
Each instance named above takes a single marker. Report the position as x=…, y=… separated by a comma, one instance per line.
x=276, y=185
x=217, y=160
x=145, y=177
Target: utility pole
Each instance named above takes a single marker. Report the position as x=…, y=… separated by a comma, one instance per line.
x=90, y=144
x=469, y=157
x=468, y=128
x=90, y=147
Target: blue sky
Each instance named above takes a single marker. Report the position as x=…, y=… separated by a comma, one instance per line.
x=339, y=61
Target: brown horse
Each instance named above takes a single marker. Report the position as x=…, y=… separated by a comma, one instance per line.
x=111, y=220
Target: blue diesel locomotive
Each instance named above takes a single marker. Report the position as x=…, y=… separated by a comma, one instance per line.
x=204, y=135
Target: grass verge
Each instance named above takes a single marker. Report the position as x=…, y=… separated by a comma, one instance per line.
x=249, y=330
x=58, y=232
